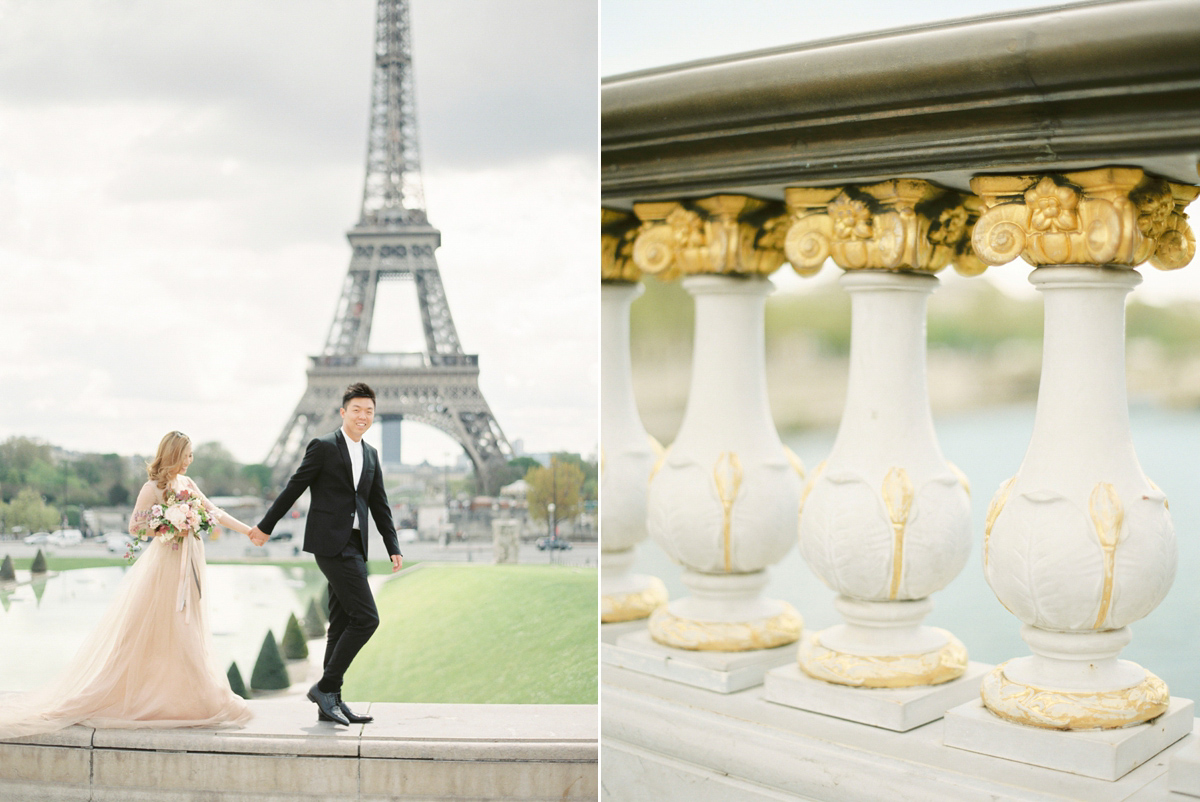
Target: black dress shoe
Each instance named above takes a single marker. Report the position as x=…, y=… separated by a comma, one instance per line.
x=348, y=713
x=327, y=705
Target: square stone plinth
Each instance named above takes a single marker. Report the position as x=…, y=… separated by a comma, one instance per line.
x=1103, y=754
x=723, y=672
x=898, y=709
x=609, y=633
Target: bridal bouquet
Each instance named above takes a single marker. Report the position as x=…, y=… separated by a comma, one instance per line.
x=180, y=515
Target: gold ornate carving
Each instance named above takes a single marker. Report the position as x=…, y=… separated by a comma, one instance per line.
x=633, y=606
x=994, y=510
x=722, y=636
x=1074, y=710
x=1158, y=489
x=617, y=232
x=1107, y=216
x=897, y=498
x=883, y=671
x=728, y=484
x=901, y=224
x=1107, y=517
x=808, y=488
x=725, y=234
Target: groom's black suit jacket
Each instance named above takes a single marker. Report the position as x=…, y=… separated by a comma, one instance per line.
x=337, y=505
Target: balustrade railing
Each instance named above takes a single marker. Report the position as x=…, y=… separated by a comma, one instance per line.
x=973, y=144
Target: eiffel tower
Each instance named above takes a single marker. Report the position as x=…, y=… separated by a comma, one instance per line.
x=393, y=240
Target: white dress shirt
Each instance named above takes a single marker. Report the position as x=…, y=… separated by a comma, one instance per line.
x=356, y=457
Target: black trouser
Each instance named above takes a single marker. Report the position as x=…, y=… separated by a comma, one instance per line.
x=353, y=617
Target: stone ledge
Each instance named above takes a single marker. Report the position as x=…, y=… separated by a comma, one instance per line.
x=411, y=751
x=656, y=729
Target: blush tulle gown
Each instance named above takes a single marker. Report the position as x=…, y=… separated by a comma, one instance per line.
x=148, y=663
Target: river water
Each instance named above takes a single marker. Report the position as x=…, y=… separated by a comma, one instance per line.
x=39, y=635
x=988, y=445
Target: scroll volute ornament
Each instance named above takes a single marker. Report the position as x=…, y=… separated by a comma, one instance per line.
x=1108, y=216
x=901, y=224
x=617, y=232
x=724, y=234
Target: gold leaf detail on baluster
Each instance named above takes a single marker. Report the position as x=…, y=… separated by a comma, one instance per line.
x=816, y=474
x=897, y=498
x=994, y=510
x=962, y=477
x=1107, y=517
x=796, y=463
x=727, y=490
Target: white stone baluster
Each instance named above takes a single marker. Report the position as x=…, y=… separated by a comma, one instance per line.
x=627, y=452
x=1079, y=543
x=885, y=520
x=627, y=456
x=722, y=501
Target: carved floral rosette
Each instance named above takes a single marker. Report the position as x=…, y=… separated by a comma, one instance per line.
x=618, y=230
x=901, y=224
x=1106, y=566
x=1107, y=216
x=723, y=234
x=887, y=541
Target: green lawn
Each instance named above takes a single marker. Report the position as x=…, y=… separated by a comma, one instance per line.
x=493, y=634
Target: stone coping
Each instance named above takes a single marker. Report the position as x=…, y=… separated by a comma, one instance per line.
x=675, y=738
x=418, y=731
x=468, y=753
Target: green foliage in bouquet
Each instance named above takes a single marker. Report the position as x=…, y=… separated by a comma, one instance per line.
x=235, y=681
x=270, y=674
x=39, y=563
x=294, y=645
x=314, y=622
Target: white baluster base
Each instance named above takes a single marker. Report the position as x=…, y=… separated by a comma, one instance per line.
x=625, y=596
x=1103, y=754
x=883, y=645
x=1074, y=681
x=725, y=613
x=896, y=709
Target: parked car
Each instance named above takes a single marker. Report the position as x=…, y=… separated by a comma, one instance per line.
x=37, y=538
x=406, y=535
x=553, y=543
x=65, y=537
x=117, y=542
x=280, y=537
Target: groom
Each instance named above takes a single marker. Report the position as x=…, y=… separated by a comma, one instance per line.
x=344, y=478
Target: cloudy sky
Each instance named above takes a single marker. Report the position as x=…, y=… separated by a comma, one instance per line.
x=176, y=180
x=633, y=38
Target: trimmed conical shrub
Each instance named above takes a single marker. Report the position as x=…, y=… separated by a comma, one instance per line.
x=314, y=622
x=39, y=563
x=294, y=646
x=7, y=572
x=270, y=674
x=235, y=681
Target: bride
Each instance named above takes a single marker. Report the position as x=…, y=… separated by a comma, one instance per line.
x=149, y=661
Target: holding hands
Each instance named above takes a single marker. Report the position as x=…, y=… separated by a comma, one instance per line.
x=257, y=535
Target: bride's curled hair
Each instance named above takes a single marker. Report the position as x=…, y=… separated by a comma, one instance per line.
x=170, y=459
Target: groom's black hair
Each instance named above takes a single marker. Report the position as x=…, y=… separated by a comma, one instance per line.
x=357, y=390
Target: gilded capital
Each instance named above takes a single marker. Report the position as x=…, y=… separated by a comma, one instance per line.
x=725, y=234
x=617, y=232
x=901, y=224
x=1107, y=216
